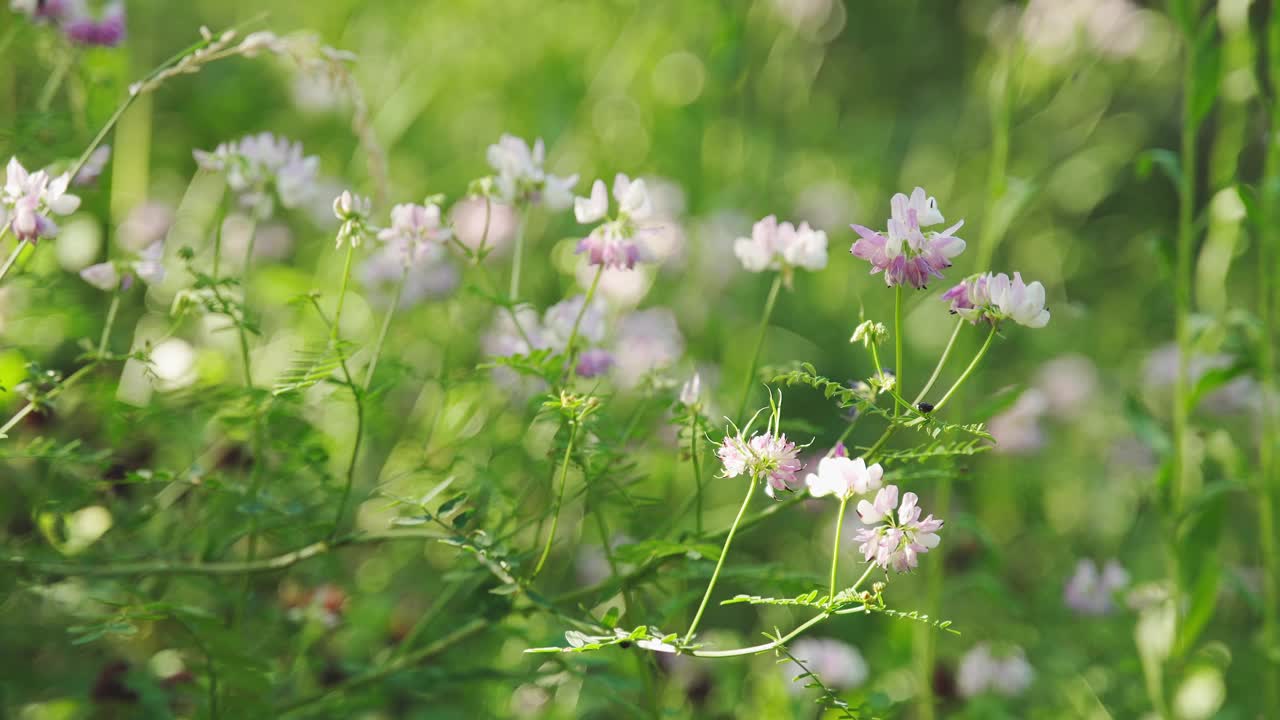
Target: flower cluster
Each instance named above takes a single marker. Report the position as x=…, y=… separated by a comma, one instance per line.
x=30, y=198
x=844, y=478
x=982, y=671
x=1090, y=592
x=767, y=455
x=81, y=25
x=521, y=179
x=110, y=275
x=416, y=232
x=781, y=246
x=261, y=168
x=613, y=243
x=905, y=252
x=992, y=298
x=527, y=332
x=895, y=541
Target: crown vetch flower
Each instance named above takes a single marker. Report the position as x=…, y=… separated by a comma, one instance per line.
x=415, y=231
x=982, y=671
x=781, y=246
x=1090, y=592
x=521, y=177
x=765, y=455
x=261, y=168
x=353, y=211
x=593, y=362
x=104, y=29
x=613, y=244
x=991, y=298
x=906, y=253
x=30, y=198
x=110, y=275
x=844, y=478
x=895, y=540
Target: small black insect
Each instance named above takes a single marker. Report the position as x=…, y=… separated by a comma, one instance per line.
x=925, y=407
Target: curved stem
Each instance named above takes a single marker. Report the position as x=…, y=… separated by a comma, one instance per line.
x=555, y=518
x=968, y=370
x=898, y=368
x=724, y=552
x=55, y=81
x=835, y=553
x=937, y=370
x=766, y=646
x=386, y=325
x=755, y=352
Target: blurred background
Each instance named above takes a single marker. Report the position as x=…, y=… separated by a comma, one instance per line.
x=1049, y=126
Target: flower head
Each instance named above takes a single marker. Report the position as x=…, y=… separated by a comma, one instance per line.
x=353, y=211
x=1090, y=592
x=29, y=199
x=415, y=231
x=521, y=177
x=613, y=244
x=146, y=265
x=593, y=362
x=844, y=478
x=906, y=253
x=262, y=168
x=895, y=540
x=992, y=298
x=767, y=455
x=782, y=246
x=84, y=27
x=983, y=671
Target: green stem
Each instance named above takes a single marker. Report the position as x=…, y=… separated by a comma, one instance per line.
x=755, y=352
x=55, y=81
x=937, y=369
x=1268, y=484
x=968, y=370
x=1182, y=279
x=13, y=257
x=835, y=553
x=342, y=294
x=899, y=362
x=146, y=568
x=386, y=325
x=766, y=646
x=724, y=552
x=697, y=469
x=111, y=321
x=26, y=409
x=570, y=350
x=517, y=258
x=555, y=518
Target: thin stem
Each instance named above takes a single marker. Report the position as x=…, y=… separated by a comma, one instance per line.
x=937, y=369
x=386, y=325
x=13, y=257
x=55, y=81
x=697, y=469
x=835, y=553
x=173, y=567
x=342, y=293
x=766, y=646
x=1182, y=278
x=517, y=257
x=111, y=321
x=570, y=350
x=724, y=552
x=26, y=409
x=898, y=368
x=755, y=352
x=555, y=517
x=968, y=370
